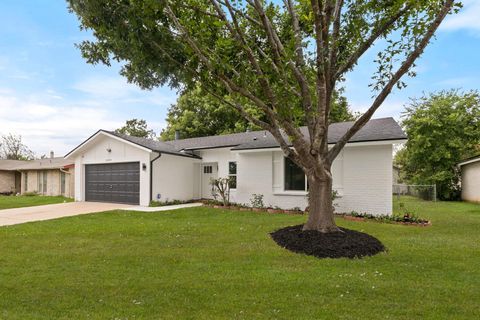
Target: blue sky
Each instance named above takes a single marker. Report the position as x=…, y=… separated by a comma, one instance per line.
x=50, y=96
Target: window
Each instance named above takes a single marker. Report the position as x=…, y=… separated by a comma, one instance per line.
x=232, y=174
x=207, y=169
x=294, y=177
x=26, y=181
x=62, y=183
x=42, y=182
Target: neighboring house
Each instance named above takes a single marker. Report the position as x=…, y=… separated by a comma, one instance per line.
x=50, y=176
x=470, y=179
x=119, y=168
x=10, y=178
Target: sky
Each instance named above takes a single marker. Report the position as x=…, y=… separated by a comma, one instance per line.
x=52, y=98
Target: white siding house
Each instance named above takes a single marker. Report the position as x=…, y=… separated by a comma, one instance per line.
x=471, y=179
x=119, y=168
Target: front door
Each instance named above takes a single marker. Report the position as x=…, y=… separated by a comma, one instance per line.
x=208, y=171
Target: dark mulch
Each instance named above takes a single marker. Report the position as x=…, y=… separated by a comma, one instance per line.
x=346, y=244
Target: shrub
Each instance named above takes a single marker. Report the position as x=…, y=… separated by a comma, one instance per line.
x=30, y=194
x=257, y=201
x=221, y=187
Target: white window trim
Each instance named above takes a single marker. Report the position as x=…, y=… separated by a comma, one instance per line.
x=236, y=174
x=283, y=192
x=291, y=192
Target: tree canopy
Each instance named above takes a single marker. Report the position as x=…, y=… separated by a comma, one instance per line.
x=197, y=114
x=443, y=128
x=136, y=128
x=277, y=63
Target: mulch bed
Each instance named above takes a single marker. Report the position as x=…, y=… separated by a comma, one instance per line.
x=346, y=244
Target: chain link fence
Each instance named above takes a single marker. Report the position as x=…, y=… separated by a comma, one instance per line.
x=424, y=192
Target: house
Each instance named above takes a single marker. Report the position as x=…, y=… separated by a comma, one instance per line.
x=470, y=179
x=49, y=176
x=10, y=178
x=119, y=168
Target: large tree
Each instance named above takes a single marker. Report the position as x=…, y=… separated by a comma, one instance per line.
x=443, y=128
x=136, y=128
x=197, y=114
x=13, y=148
x=277, y=63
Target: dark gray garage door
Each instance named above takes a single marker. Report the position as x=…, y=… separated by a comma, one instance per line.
x=115, y=182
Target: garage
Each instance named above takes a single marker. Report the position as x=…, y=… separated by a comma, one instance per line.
x=113, y=182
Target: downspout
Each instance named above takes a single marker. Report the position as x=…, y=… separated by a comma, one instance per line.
x=151, y=175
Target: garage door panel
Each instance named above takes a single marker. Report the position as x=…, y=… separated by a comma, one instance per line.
x=119, y=182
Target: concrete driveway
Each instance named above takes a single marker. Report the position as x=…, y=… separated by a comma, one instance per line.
x=53, y=211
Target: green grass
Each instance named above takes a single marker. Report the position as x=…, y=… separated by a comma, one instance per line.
x=9, y=202
x=202, y=263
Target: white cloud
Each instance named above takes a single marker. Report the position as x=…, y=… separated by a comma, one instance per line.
x=49, y=120
x=117, y=88
x=390, y=108
x=467, y=18
x=46, y=126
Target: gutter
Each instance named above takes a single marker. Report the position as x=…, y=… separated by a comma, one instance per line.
x=151, y=175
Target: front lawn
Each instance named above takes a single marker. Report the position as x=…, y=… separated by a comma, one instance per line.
x=9, y=202
x=203, y=263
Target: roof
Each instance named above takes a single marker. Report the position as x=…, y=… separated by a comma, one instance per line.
x=10, y=165
x=375, y=130
x=383, y=129
x=153, y=145
x=470, y=160
x=40, y=164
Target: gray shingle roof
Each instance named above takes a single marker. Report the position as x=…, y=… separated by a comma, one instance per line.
x=39, y=164
x=154, y=145
x=375, y=130
x=47, y=163
x=10, y=165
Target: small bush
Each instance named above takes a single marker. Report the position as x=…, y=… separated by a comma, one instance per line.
x=257, y=201
x=30, y=194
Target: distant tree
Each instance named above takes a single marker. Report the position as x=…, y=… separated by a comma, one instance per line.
x=443, y=128
x=198, y=114
x=12, y=148
x=137, y=128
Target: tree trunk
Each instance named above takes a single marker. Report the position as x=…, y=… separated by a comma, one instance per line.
x=321, y=216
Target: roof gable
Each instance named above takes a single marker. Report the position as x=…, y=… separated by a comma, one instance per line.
x=142, y=143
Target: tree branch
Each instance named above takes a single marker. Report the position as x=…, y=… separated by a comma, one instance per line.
x=406, y=65
x=376, y=33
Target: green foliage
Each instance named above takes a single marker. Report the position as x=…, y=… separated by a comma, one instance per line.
x=136, y=128
x=443, y=129
x=197, y=114
x=403, y=214
x=184, y=43
x=154, y=203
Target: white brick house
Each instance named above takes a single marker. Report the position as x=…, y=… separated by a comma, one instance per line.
x=120, y=168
